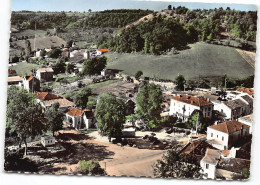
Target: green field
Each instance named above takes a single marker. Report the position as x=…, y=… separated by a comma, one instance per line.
x=201, y=60
x=24, y=68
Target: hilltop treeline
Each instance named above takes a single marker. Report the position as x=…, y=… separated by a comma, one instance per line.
x=210, y=23
x=152, y=37
x=47, y=20
x=113, y=18
x=42, y=20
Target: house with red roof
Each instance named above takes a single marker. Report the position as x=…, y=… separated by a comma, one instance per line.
x=79, y=119
x=31, y=84
x=182, y=106
x=224, y=135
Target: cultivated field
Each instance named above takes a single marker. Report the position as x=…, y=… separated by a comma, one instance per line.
x=201, y=60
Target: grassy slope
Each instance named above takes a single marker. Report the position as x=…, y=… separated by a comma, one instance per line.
x=24, y=68
x=204, y=60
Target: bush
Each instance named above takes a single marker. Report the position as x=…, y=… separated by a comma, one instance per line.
x=91, y=167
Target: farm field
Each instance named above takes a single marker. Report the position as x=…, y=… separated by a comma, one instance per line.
x=201, y=60
x=24, y=68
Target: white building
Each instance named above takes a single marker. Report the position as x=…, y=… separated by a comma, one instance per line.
x=47, y=140
x=80, y=119
x=182, y=106
x=248, y=120
x=223, y=136
x=209, y=163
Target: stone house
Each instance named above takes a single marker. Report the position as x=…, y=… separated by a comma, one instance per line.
x=45, y=74
x=248, y=120
x=47, y=140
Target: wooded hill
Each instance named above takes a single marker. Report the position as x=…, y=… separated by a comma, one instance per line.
x=160, y=31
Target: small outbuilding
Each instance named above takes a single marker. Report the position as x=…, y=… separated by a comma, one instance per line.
x=47, y=140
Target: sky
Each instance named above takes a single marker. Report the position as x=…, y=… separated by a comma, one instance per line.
x=99, y=5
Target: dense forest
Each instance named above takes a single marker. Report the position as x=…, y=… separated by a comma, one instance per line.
x=152, y=37
x=166, y=30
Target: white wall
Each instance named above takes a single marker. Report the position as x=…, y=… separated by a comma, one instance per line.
x=221, y=107
x=217, y=135
x=210, y=171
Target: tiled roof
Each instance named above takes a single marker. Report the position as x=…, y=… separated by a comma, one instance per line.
x=11, y=71
x=196, y=147
x=234, y=104
x=47, y=69
x=46, y=96
x=246, y=90
x=247, y=98
x=212, y=156
x=74, y=111
x=29, y=77
x=103, y=50
x=197, y=101
x=62, y=101
x=233, y=164
x=229, y=126
x=14, y=78
x=225, y=152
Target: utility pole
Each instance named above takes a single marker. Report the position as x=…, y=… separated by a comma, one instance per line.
x=34, y=37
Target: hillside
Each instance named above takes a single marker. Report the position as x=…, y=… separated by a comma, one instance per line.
x=42, y=42
x=202, y=60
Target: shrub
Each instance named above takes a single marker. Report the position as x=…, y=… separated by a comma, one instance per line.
x=91, y=167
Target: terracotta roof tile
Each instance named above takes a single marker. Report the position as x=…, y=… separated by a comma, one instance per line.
x=193, y=100
x=103, y=50
x=74, y=111
x=29, y=77
x=229, y=126
x=46, y=96
x=246, y=90
x=62, y=101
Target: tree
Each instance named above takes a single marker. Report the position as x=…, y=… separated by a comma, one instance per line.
x=149, y=100
x=180, y=81
x=70, y=67
x=138, y=74
x=81, y=98
x=110, y=115
x=197, y=117
x=94, y=65
x=27, y=48
x=59, y=67
x=174, y=165
x=55, y=53
x=24, y=116
x=54, y=117
x=245, y=172
x=91, y=168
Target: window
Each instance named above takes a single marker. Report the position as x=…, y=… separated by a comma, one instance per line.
x=211, y=134
x=209, y=114
x=207, y=166
x=222, y=138
x=217, y=136
x=221, y=110
x=225, y=147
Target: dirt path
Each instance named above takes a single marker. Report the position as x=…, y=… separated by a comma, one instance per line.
x=129, y=161
x=248, y=56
